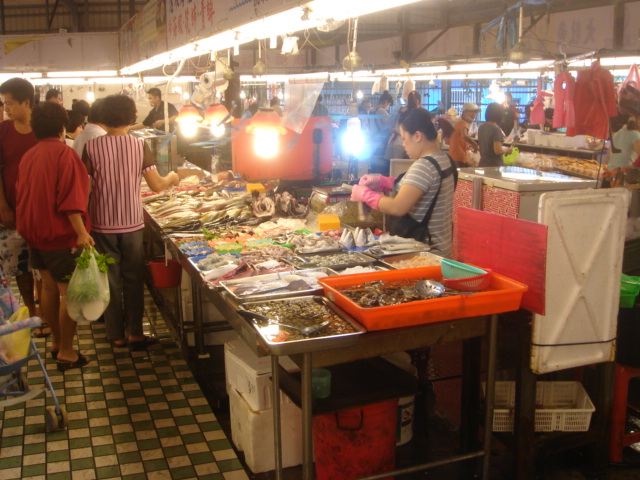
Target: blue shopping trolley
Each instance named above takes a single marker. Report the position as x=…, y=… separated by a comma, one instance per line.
x=14, y=387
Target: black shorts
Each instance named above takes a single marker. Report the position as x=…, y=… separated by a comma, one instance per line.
x=60, y=263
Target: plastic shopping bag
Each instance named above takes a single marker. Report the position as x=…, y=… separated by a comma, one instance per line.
x=15, y=346
x=629, y=93
x=88, y=291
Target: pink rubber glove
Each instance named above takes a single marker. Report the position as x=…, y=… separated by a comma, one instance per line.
x=377, y=182
x=366, y=195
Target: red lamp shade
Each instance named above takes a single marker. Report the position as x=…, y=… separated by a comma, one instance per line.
x=216, y=114
x=188, y=113
x=266, y=119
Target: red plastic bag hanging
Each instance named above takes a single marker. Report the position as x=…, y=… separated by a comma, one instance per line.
x=629, y=93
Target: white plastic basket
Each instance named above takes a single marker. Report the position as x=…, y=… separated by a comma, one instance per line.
x=562, y=406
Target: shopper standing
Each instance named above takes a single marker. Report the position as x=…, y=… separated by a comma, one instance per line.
x=490, y=138
x=380, y=132
x=395, y=149
x=16, y=137
x=116, y=163
x=461, y=142
x=626, y=143
x=52, y=195
x=93, y=129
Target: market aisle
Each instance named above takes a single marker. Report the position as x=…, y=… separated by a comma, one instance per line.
x=132, y=415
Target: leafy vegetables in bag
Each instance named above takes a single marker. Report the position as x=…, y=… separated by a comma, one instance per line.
x=88, y=292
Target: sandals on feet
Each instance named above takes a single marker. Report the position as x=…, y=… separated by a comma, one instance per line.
x=116, y=343
x=43, y=331
x=144, y=343
x=80, y=362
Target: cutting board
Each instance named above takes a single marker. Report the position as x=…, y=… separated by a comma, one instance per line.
x=509, y=246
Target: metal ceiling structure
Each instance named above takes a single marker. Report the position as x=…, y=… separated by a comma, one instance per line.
x=54, y=16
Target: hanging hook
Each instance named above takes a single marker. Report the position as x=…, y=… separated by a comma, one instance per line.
x=561, y=48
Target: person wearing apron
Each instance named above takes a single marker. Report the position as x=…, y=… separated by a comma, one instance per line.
x=422, y=203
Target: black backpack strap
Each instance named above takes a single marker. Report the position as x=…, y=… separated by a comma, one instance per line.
x=451, y=170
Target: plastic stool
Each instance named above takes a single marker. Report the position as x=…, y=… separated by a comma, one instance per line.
x=619, y=438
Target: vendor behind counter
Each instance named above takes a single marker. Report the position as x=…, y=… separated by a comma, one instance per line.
x=421, y=205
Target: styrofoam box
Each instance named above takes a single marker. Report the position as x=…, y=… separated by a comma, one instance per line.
x=252, y=433
x=251, y=375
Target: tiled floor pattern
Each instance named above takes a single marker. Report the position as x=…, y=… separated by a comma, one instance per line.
x=132, y=415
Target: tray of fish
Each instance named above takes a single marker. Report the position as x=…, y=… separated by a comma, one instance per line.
x=362, y=269
x=301, y=324
x=277, y=285
x=331, y=260
x=396, y=298
x=410, y=260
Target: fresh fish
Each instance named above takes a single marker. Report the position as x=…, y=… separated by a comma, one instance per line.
x=361, y=238
x=371, y=238
x=347, y=240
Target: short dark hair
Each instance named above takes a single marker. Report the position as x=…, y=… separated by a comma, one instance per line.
x=52, y=93
x=82, y=107
x=20, y=89
x=494, y=113
x=95, y=112
x=48, y=120
x=385, y=98
x=118, y=111
x=274, y=101
x=155, y=91
x=419, y=120
x=76, y=119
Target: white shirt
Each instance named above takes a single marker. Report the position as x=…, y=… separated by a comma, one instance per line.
x=91, y=131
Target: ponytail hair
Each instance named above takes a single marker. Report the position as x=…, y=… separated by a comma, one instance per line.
x=419, y=120
x=632, y=124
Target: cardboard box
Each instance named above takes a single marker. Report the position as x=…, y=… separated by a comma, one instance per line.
x=251, y=375
x=252, y=433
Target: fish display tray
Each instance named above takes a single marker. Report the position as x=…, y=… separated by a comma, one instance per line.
x=390, y=260
x=231, y=286
x=310, y=344
x=354, y=259
x=563, y=406
x=503, y=295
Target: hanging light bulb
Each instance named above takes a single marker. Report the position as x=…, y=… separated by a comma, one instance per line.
x=91, y=96
x=359, y=95
x=216, y=116
x=188, y=119
x=243, y=94
x=185, y=95
x=266, y=127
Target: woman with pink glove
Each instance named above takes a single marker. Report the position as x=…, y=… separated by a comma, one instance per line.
x=422, y=203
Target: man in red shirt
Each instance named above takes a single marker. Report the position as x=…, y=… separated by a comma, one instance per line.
x=16, y=137
x=52, y=198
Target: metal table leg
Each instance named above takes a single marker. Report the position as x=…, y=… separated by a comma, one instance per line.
x=490, y=395
x=275, y=400
x=307, y=440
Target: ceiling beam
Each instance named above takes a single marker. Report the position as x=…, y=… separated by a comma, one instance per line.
x=431, y=42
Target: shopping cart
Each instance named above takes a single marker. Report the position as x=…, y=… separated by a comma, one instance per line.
x=14, y=387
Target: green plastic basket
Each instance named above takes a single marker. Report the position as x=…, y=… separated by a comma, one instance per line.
x=629, y=289
x=454, y=270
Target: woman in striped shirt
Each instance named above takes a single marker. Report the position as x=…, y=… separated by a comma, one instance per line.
x=422, y=204
x=116, y=163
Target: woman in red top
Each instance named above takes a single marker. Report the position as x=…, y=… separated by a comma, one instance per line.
x=52, y=195
x=460, y=141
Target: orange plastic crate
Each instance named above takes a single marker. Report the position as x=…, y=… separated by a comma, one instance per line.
x=502, y=295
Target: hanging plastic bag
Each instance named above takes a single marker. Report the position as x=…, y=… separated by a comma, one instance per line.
x=629, y=93
x=88, y=291
x=14, y=346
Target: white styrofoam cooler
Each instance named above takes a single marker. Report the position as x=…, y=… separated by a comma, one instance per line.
x=251, y=375
x=252, y=433
x=584, y=261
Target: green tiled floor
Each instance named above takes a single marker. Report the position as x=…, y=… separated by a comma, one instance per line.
x=132, y=415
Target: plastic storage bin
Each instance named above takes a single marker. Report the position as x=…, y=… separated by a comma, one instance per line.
x=355, y=442
x=564, y=406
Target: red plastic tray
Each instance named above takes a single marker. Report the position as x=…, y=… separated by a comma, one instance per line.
x=503, y=295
